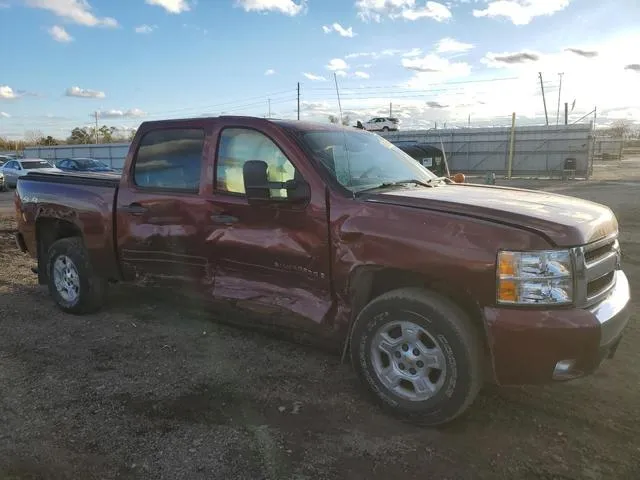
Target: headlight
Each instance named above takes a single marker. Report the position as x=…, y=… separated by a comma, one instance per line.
x=535, y=278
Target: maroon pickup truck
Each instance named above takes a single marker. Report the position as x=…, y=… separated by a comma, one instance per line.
x=432, y=287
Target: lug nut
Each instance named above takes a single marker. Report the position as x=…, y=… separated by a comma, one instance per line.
x=405, y=347
x=416, y=352
x=397, y=354
x=401, y=366
x=412, y=371
x=420, y=363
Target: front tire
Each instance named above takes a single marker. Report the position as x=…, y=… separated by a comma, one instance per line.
x=418, y=354
x=71, y=281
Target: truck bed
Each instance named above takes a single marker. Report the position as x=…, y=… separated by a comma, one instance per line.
x=81, y=204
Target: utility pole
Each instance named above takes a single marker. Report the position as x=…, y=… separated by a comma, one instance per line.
x=335, y=79
x=97, y=140
x=566, y=113
x=298, y=100
x=269, y=111
x=544, y=100
x=559, y=92
x=511, y=144
x=390, y=109
x=469, y=121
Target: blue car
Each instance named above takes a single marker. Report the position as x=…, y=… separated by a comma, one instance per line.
x=83, y=165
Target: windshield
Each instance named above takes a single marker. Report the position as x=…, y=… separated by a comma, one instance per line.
x=86, y=163
x=30, y=165
x=360, y=160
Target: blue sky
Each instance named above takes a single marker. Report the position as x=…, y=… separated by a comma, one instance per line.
x=133, y=60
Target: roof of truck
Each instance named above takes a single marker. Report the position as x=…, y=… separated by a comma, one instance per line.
x=303, y=125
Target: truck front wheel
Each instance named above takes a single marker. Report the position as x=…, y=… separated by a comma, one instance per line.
x=72, y=283
x=418, y=354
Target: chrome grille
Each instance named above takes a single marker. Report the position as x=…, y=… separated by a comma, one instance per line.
x=596, y=264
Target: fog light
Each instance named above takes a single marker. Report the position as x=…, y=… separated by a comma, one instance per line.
x=564, y=370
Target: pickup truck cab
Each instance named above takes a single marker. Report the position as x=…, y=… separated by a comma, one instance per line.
x=431, y=287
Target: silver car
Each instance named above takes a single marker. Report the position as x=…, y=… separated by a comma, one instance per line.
x=15, y=169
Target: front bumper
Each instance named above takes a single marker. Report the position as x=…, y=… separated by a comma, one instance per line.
x=538, y=346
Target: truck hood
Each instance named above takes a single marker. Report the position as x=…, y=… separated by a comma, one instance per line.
x=564, y=221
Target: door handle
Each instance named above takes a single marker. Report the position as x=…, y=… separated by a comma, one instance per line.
x=224, y=219
x=134, y=209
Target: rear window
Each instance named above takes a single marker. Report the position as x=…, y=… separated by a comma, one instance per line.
x=30, y=165
x=170, y=159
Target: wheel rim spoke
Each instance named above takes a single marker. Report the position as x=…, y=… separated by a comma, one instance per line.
x=408, y=360
x=66, y=278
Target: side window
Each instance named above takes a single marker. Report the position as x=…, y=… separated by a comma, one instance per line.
x=239, y=145
x=170, y=159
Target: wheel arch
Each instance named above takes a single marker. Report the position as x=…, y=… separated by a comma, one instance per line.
x=368, y=282
x=48, y=231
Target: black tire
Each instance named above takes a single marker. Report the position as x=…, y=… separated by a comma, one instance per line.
x=385, y=129
x=92, y=289
x=457, y=335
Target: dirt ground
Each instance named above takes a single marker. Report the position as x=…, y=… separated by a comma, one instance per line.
x=149, y=388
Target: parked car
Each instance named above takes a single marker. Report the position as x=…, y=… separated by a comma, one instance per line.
x=83, y=165
x=334, y=234
x=5, y=158
x=15, y=169
x=381, y=124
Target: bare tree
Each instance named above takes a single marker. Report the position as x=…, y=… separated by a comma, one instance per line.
x=33, y=137
x=620, y=128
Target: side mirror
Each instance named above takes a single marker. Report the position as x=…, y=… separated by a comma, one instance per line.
x=258, y=188
x=256, y=181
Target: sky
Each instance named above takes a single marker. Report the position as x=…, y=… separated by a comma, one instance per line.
x=456, y=62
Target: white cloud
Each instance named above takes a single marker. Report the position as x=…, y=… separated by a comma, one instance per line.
x=341, y=73
x=269, y=72
x=287, y=7
x=83, y=93
x=59, y=34
x=310, y=76
x=144, y=28
x=362, y=74
x=407, y=9
x=77, y=11
x=521, y=12
x=7, y=93
x=4, y=115
x=432, y=68
x=451, y=45
x=414, y=52
x=171, y=6
x=502, y=60
x=337, y=64
x=344, y=32
x=132, y=113
x=326, y=29
x=389, y=52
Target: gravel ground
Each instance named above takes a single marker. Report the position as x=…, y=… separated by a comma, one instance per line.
x=151, y=388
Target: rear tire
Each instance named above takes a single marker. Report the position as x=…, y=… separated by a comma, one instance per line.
x=385, y=129
x=71, y=281
x=434, y=356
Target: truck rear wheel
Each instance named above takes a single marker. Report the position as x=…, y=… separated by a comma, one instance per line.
x=72, y=283
x=418, y=354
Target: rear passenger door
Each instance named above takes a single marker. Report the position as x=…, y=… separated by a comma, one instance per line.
x=161, y=215
x=270, y=259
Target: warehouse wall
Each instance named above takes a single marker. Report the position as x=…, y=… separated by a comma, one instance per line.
x=539, y=150
x=112, y=154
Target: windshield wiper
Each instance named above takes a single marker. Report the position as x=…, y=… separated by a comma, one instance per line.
x=400, y=183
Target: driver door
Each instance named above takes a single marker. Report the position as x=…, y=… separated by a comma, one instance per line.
x=270, y=259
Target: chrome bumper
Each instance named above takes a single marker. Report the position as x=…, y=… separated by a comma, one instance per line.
x=613, y=312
